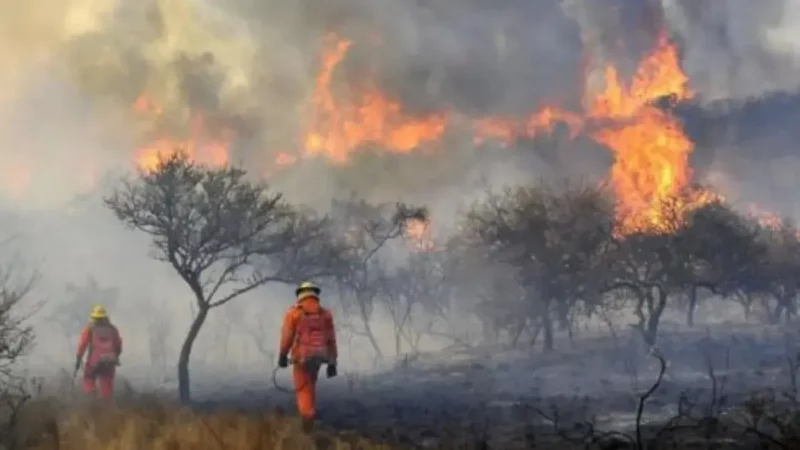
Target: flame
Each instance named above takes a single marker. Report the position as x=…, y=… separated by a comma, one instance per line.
x=337, y=127
x=201, y=146
x=651, y=150
x=420, y=233
x=650, y=175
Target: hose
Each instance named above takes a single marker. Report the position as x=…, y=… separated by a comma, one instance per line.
x=280, y=388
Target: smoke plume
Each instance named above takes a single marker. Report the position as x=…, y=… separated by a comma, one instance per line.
x=85, y=85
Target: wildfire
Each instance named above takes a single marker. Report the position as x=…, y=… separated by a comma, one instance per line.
x=508, y=130
x=651, y=150
x=420, y=234
x=650, y=175
x=201, y=146
x=338, y=128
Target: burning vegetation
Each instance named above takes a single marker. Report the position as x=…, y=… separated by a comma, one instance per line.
x=650, y=171
x=528, y=266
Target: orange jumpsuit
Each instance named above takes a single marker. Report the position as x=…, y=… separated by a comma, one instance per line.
x=100, y=344
x=305, y=376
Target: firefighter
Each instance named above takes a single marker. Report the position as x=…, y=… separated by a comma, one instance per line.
x=102, y=343
x=309, y=335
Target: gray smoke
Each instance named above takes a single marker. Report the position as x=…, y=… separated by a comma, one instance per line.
x=71, y=71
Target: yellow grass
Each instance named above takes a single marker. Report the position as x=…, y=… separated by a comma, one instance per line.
x=151, y=425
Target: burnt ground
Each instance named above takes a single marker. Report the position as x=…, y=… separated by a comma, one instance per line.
x=502, y=396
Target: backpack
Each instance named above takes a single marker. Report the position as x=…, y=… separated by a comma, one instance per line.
x=102, y=348
x=312, y=337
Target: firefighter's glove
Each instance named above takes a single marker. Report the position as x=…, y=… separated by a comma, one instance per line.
x=331, y=370
x=283, y=361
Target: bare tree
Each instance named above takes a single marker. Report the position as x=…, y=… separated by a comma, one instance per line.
x=367, y=229
x=16, y=339
x=224, y=235
x=414, y=293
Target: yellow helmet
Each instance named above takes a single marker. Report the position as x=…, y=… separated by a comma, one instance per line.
x=307, y=286
x=98, y=312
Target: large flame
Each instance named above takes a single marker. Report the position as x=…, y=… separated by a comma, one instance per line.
x=339, y=127
x=650, y=175
x=651, y=151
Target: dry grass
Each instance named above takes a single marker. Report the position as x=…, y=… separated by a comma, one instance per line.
x=153, y=425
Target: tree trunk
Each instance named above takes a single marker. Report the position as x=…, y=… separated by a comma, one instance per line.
x=571, y=328
x=398, y=345
x=368, y=329
x=791, y=308
x=547, y=325
x=651, y=330
x=648, y=323
x=184, y=389
x=650, y=334
x=517, y=334
x=490, y=333
x=535, y=335
x=776, y=313
x=747, y=306
x=563, y=315
x=692, y=306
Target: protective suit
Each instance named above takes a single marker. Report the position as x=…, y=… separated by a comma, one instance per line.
x=308, y=333
x=102, y=344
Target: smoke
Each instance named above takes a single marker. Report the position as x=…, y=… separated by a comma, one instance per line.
x=75, y=76
x=742, y=58
x=737, y=49
x=248, y=67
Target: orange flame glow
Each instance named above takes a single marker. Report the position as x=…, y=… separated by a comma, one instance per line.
x=338, y=128
x=200, y=146
x=651, y=175
x=420, y=233
x=651, y=150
